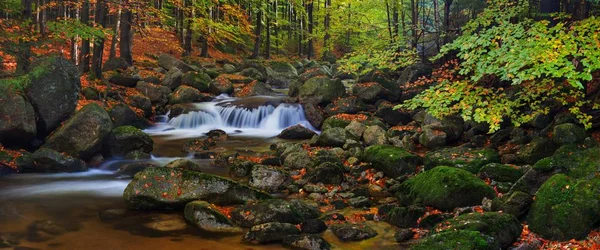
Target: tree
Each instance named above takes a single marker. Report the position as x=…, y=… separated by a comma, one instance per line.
x=125, y=32
x=100, y=19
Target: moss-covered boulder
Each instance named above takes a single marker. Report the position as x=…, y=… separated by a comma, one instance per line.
x=169, y=188
x=253, y=73
x=184, y=164
x=296, y=132
x=297, y=160
x=575, y=161
x=565, y=208
x=501, y=172
x=197, y=80
x=470, y=159
x=345, y=105
x=536, y=150
x=207, y=218
x=321, y=90
x=221, y=85
x=167, y=62
x=268, y=178
x=393, y=161
x=462, y=239
x=126, y=79
x=516, y=203
x=332, y=137
x=255, y=88
x=187, y=94
x=157, y=94
x=369, y=92
x=504, y=228
x=405, y=217
x=122, y=115
x=17, y=118
x=82, y=135
x=275, y=210
x=125, y=139
x=444, y=188
x=326, y=173
x=392, y=89
x=568, y=133
x=49, y=161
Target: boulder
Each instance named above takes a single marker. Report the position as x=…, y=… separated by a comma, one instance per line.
x=374, y=135
x=221, y=85
x=280, y=74
x=568, y=133
x=313, y=72
x=470, y=159
x=504, y=228
x=321, y=90
x=462, y=239
x=253, y=73
x=187, y=94
x=115, y=63
x=143, y=103
x=229, y=68
x=269, y=179
x=414, y=72
x=168, y=62
x=501, y=172
x=352, y=232
x=534, y=151
x=209, y=219
x=122, y=115
x=17, y=118
x=516, y=203
x=270, y=232
x=306, y=242
x=326, y=173
x=369, y=92
x=314, y=114
x=345, y=105
x=444, y=188
x=197, y=80
x=172, y=79
x=575, y=161
x=332, y=137
x=49, y=161
x=168, y=188
x=256, y=88
x=432, y=138
x=126, y=139
x=157, y=94
x=129, y=170
x=275, y=210
x=405, y=217
x=392, y=161
x=296, y=132
x=565, y=208
x=392, y=90
x=125, y=79
x=82, y=135
x=297, y=160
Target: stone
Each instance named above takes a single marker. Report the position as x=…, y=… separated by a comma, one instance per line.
x=326, y=173
x=332, y=137
x=321, y=90
x=297, y=160
x=172, y=78
x=296, y=132
x=534, y=151
x=462, y=239
x=157, y=94
x=568, y=133
x=122, y=115
x=17, y=118
x=125, y=79
x=374, y=135
x=307, y=242
x=275, y=210
x=313, y=226
x=197, y=80
x=125, y=139
x=167, y=62
x=115, y=63
x=221, y=85
x=187, y=94
x=270, y=232
x=516, y=203
x=49, y=161
x=405, y=217
x=207, y=218
x=129, y=170
x=393, y=161
x=470, y=159
x=504, y=228
x=184, y=164
x=352, y=232
x=269, y=179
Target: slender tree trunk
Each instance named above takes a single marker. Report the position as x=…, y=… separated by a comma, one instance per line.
x=389, y=21
x=74, y=47
x=447, y=4
x=84, y=65
x=187, y=44
x=126, y=40
x=257, y=32
x=327, y=24
x=24, y=53
x=415, y=22
x=113, y=45
x=310, y=52
x=268, y=40
x=100, y=19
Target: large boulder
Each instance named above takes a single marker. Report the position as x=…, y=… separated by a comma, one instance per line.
x=306, y=241
x=280, y=74
x=17, y=118
x=122, y=115
x=157, y=94
x=255, y=88
x=565, y=208
x=444, y=188
x=168, y=188
x=575, y=161
x=369, y=92
x=393, y=161
x=52, y=88
x=115, y=63
x=167, y=62
x=322, y=90
x=332, y=137
x=326, y=173
x=504, y=228
x=568, y=133
x=187, y=94
x=462, y=239
x=347, y=105
x=392, y=89
x=414, y=72
x=207, y=218
x=82, y=135
x=126, y=139
x=172, y=79
x=516, y=203
x=197, y=80
x=221, y=85
x=374, y=135
x=534, y=151
x=49, y=161
x=253, y=73
x=275, y=210
x=125, y=79
x=353, y=232
x=470, y=159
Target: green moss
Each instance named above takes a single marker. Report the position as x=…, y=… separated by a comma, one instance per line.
x=469, y=159
x=445, y=188
x=505, y=228
x=335, y=122
x=575, y=161
x=565, y=208
x=393, y=161
x=462, y=239
x=501, y=172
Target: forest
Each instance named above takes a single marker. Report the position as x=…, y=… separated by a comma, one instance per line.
x=300, y=124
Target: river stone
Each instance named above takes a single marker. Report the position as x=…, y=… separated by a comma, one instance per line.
x=405, y=217
x=167, y=188
x=221, y=85
x=326, y=173
x=122, y=115
x=332, y=137
x=256, y=88
x=141, y=102
x=275, y=210
x=201, y=214
x=129, y=170
x=536, y=150
x=565, y=208
x=197, y=80
x=296, y=132
x=352, y=232
x=444, y=188
x=269, y=179
x=167, y=62
x=270, y=232
x=469, y=159
x=345, y=105
x=125, y=139
x=172, y=78
x=53, y=91
x=369, y=92
x=575, y=161
x=253, y=73
x=313, y=226
x=297, y=160
x=166, y=223
x=17, y=118
x=184, y=164
x=393, y=161
x=321, y=90
x=82, y=135
x=187, y=94
x=462, y=239
x=501, y=172
x=49, y=161
x=306, y=241
x=157, y=94
x=504, y=228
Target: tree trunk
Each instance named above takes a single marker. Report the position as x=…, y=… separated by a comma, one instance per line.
x=415, y=23
x=310, y=53
x=113, y=45
x=100, y=19
x=126, y=40
x=389, y=21
x=327, y=24
x=187, y=43
x=268, y=40
x=257, y=32
x=447, y=4
x=84, y=60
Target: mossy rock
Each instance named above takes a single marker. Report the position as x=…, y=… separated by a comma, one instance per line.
x=203, y=215
x=565, y=208
x=444, y=188
x=575, y=161
x=469, y=159
x=332, y=137
x=221, y=85
x=321, y=89
x=536, y=150
x=275, y=210
x=462, y=239
x=568, y=133
x=501, y=172
x=516, y=203
x=197, y=80
x=393, y=161
x=170, y=188
x=125, y=139
x=17, y=126
x=503, y=227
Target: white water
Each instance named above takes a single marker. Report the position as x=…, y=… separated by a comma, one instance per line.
x=232, y=116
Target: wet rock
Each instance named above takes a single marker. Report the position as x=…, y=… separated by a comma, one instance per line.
x=294, y=211
x=129, y=170
x=256, y=88
x=314, y=114
x=414, y=72
x=469, y=159
x=516, y=203
x=296, y=132
x=352, y=232
x=114, y=64
x=531, y=181
x=201, y=214
x=432, y=137
x=326, y=173
x=345, y=105
x=389, y=115
x=197, y=80
x=575, y=161
x=167, y=62
x=184, y=164
x=565, y=208
x=49, y=161
x=313, y=226
x=269, y=179
x=403, y=234
x=280, y=74
x=444, y=188
x=392, y=89
x=332, y=137
x=123, y=115
x=405, y=216
x=240, y=168
x=253, y=73
x=393, y=161
x=17, y=127
x=166, y=188
x=125, y=139
x=166, y=223
x=229, y=69
x=157, y=94
x=568, y=133
x=313, y=72
x=143, y=103
x=369, y=91
x=308, y=242
x=462, y=239
x=500, y=172
x=374, y=135
x=270, y=232
x=355, y=130
x=321, y=90
x=504, y=228
x=172, y=78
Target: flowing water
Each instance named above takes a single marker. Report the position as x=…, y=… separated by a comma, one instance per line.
x=72, y=211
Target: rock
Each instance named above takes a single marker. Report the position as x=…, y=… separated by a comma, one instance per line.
x=332, y=137
x=166, y=223
x=413, y=72
x=314, y=114
x=240, y=168
x=360, y=202
x=405, y=216
x=308, y=242
x=81, y=136
x=256, y=88
x=575, y=161
x=90, y=93
x=296, y=132
x=197, y=80
x=461, y=239
x=369, y=92
x=321, y=90
x=345, y=105
x=352, y=232
x=221, y=85
x=47, y=226
x=280, y=74
x=229, y=69
x=187, y=94
x=112, y=214
x=123, y=115
x=125, y=139
x=270, y=232
x=53, y=91
x=17, y=125
x=313, y=226
x=501, y=173
x=172, y=78
x=469, y=159
x=403, y=234
x=125, y=79
x=504, y=228
x=49, y=161
x=275, y=210
x=313, y=72
x=253, y=73
x=114, y=64
x=517, y=203
x=374, y=135
x=432, y=138
x=568, y=133
x=326, y=173
x=167, y=188
x=203, y=215
x=565, y=208
x=143, y=103
x=392, y=116
x=531, y=181
x=534, y=151
x=444, y=188
x=269, y=179
x=129, y=170
x=392, y=89
x=393, y=161
x=184, y=164
x=297, y=160
x=167, y=62
x=157, y=94
x=355, y=130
